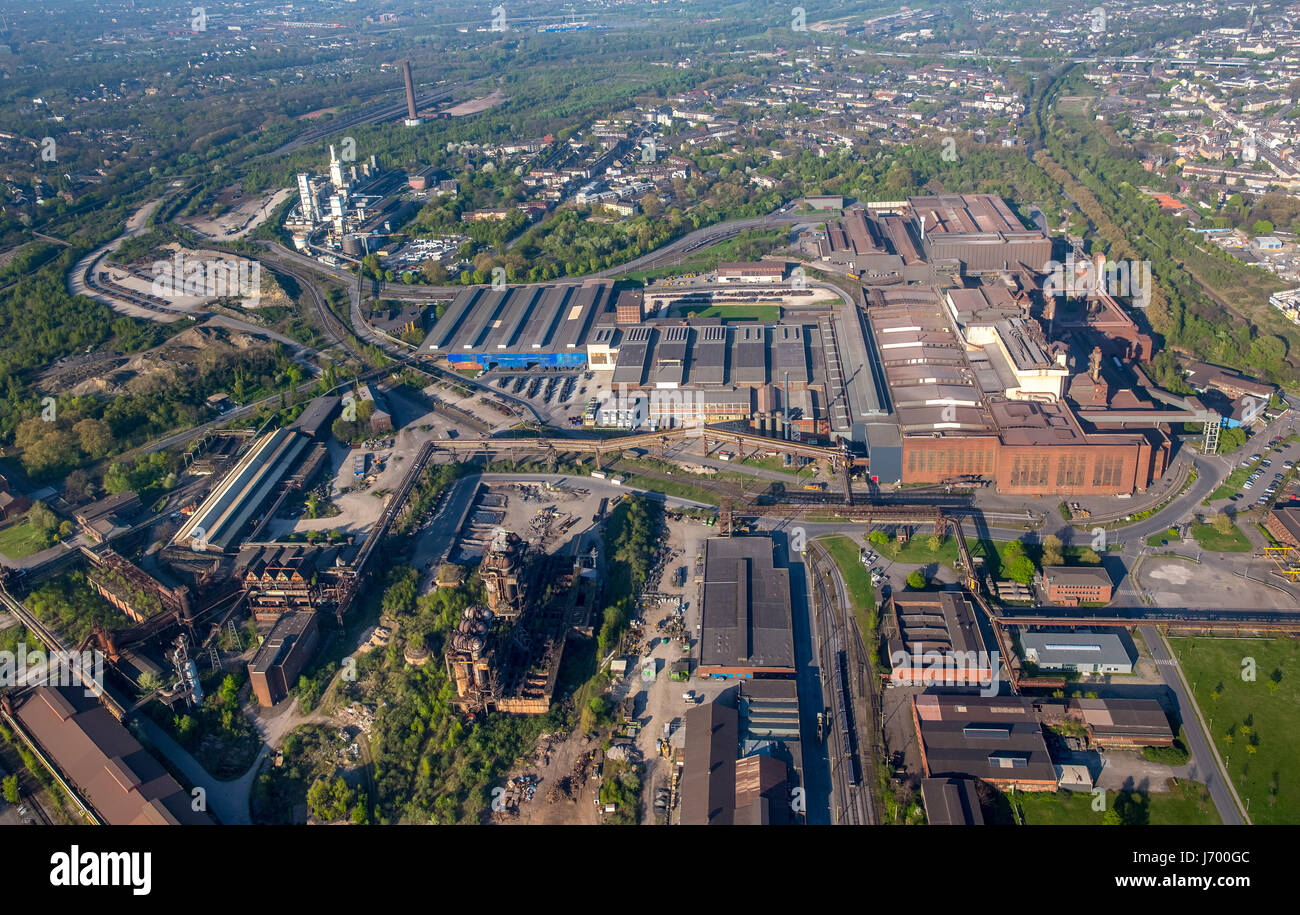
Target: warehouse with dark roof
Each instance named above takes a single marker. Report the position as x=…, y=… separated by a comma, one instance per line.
x=720, y=790
x=747, y=626
x=979, y=232
x=517, y=326
x=996, y=739
x=951, y=802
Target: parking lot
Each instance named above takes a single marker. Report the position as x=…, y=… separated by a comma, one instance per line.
x=557, y=394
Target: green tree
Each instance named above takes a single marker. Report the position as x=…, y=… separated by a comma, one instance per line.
x=1230, y=439
x=1020, y=569
x=1052, y=551
x=41, y=519
x=10, y=787
x=95, y=437
x=916, y=580
x=150, y=683
x=329, y=801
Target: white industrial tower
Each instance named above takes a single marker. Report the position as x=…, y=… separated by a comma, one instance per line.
x=336, y=170
x=307, y=199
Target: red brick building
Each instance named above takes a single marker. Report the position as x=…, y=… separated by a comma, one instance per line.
x=1073, y=585
x=1034, y=448
x=1283, y=523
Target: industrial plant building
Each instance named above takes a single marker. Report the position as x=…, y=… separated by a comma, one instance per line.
x=280, y=578
x=1080, y=652
x=99, y=758
x=518, y=326
x=996, y=739
x=1112, y=722
x=506, y=656
x=108, y=516
x=878, y=247
x=951, y=802
x=1074, y=585
x=719, y=789
x=132, y=590
x=224, y=517
x=1283, y=525
x=747, y=628
x=934, y=638
x=954, y=369
x=979, y=232
x=288, y=648
x=979, y=393
x=751, y=272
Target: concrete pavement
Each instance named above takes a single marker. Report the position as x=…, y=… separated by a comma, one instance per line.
x=228, y=800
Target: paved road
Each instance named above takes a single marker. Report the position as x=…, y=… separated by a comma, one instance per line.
x=228, y=800
x=692, y=240
x=1206, y=765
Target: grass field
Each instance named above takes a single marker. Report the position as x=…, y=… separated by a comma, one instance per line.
x=917, y=551
x=1171, y=535
x=769, y=314
x=774, y=463
x=19, y=540
x=672, y=488
x=1230, y=486
x=857, y=580
x=747, y=246
x=1259, y=759
x=1210, y=539
x=1187, y=803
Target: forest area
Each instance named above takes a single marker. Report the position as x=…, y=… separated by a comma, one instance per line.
x=1195, y=283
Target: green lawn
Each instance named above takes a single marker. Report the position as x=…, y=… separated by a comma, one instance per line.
x=769, y=314
x=672, y=488
x=749, y=245
x=1187, y=803
x=1259, y=760
x=917, y=552
x=1210, y=539
x=1232, y=485
x=857, y=580
x=21, y=539
x=1171, y=535
x=774, y=463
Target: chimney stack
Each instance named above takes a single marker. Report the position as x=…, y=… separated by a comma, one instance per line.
x=411, y=118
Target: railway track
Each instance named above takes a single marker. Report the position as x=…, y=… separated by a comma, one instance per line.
x=334, y=329
x=375, y=113
x=54, y=644
x=30, y=622
x=842, y=658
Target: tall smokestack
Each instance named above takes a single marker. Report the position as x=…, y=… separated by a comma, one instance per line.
x=411, y=118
